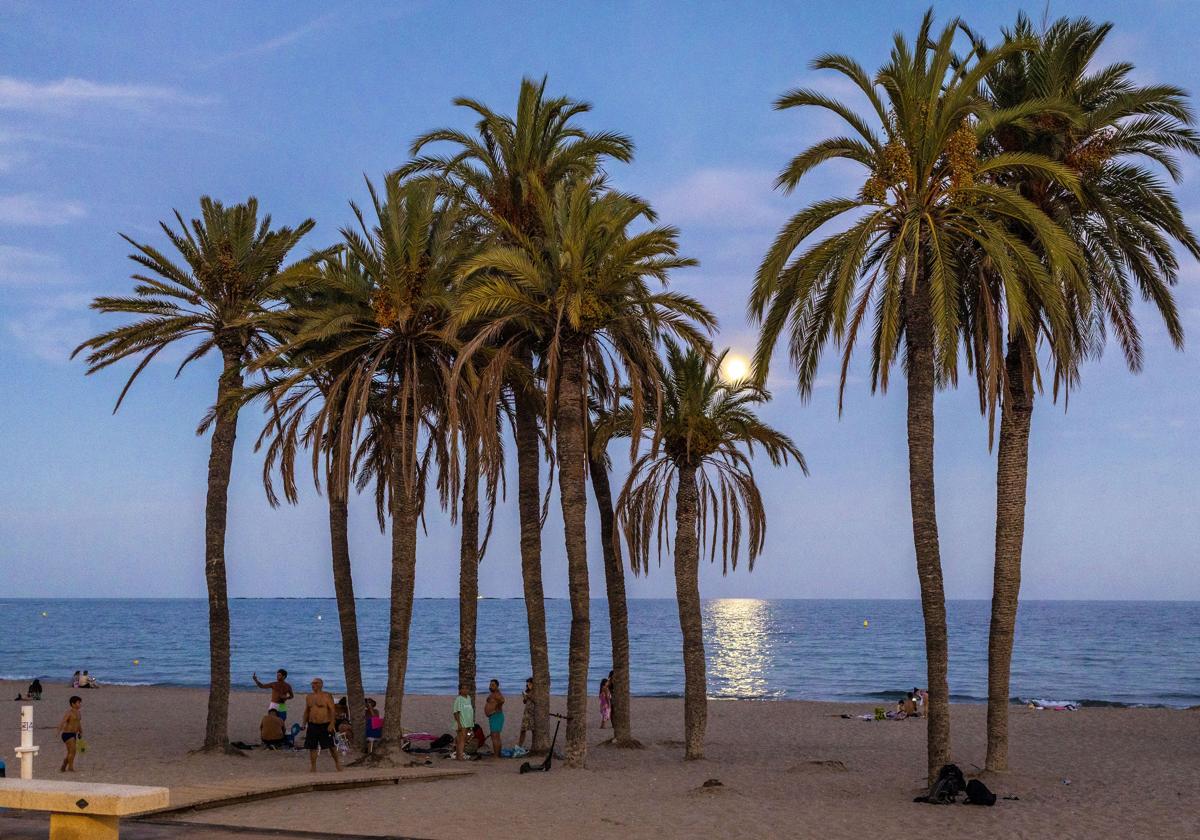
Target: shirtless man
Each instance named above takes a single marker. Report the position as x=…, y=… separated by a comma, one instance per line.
x=71, y=730
x=281, y=692
x=493, y=708
x=319, y=716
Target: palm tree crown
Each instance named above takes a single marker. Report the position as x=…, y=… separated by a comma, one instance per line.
x=707, y=425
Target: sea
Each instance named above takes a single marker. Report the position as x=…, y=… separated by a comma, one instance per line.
x=1119, y=653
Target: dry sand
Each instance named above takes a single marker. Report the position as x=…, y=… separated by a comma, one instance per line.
x=788, y=769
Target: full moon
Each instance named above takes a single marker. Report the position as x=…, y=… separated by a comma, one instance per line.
x=735, y=368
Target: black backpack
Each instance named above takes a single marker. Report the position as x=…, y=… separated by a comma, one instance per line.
x=945, y=791
x=978, y=794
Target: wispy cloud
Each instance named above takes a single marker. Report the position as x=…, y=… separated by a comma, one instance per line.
x=23, y=267
x=729, y=198
x=278, y=42
x=31, y=209
x=53, y=329
x=26, y=95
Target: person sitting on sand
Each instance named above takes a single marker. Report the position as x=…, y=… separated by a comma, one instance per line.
x=909, y=705
x=75, y=680
x=281, y=692
x=71, y=730
x=464, y=720
x=493, y=707
x=87, y=681
x=271, y=730
x=526, y=712
x=319, y=716
x=35, y=689
x=341, y=722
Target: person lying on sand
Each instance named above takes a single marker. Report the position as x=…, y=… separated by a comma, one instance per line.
x=319, y=715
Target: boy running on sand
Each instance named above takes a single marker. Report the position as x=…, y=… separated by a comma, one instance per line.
x=71, y=729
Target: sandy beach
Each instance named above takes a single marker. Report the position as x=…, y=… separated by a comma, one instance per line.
x=787, y=769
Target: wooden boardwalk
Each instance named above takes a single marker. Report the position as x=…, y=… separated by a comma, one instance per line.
x=252, y=789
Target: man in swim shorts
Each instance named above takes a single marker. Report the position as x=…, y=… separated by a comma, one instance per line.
x=319, y=715
x=281, y=692
x=493, y=707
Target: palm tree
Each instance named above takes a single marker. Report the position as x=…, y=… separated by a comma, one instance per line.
x=614, y=571
x=290, y=428
x=931, y=204
x=391, y=342
x=583, y=284
x=226, y=286
x=1122, y=218
x=702, y=444
x=497, y=172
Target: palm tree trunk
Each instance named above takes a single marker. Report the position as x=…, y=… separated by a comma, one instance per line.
x=405, y=512
x=220, y=465
x=687, y=594
x=921, y=387
x=618, y=613
x=572, y=465
x=1012, y=473
x=468, y=570
x=343, y=589
x=529, y=495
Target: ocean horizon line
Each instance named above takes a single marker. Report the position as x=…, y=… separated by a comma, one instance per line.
x=604, y=600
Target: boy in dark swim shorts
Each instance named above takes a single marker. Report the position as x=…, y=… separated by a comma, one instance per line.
x=71, y=729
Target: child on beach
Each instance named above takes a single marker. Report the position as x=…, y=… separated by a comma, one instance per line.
x=527, y=712
x=605, y=703
x=71, y=730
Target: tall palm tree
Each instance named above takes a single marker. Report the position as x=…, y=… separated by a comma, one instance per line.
x=391, y=342
x=599, y=465
x=497, y=172
x=226, y=286
x=1123, y=218
x=703, y=441
x=584, y=285
x=930, y=204
x=290, y=428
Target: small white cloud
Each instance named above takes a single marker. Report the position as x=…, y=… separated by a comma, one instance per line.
x=730, y=198
x=30, y=209
x=25, y=95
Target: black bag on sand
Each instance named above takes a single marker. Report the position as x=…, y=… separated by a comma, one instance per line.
x=978, y=794
x=945, y=791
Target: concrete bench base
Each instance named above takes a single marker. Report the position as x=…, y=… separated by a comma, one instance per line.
x=84, y=827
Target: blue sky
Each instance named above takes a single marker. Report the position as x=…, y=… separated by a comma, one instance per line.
x=111, y=116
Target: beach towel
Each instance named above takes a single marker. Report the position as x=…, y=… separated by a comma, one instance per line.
x=1054, y=705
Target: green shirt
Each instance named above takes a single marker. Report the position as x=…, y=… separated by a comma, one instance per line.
x=466, y=712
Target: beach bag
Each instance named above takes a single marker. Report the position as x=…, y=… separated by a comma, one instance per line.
x=80, y=745
x=945, y=790
x=978, y=794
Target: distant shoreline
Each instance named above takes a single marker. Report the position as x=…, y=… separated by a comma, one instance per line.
x=594, y=600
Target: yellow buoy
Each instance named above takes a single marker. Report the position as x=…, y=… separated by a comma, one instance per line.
x=865, y=624
x=135, y=662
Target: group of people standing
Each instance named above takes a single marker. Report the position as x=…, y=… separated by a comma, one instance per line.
x=320, y=720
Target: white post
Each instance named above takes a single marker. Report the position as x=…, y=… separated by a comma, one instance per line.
x=27, y=750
